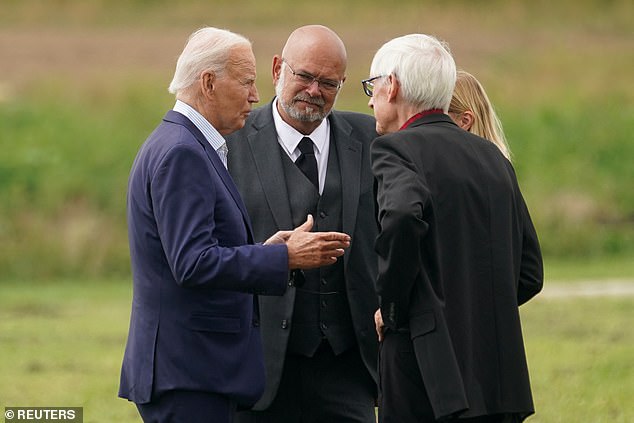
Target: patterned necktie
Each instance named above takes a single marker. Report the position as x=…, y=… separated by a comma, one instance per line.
x=222, y=153
x=306, y=162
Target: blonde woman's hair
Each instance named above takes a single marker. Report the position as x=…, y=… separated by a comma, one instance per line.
x=470, y=95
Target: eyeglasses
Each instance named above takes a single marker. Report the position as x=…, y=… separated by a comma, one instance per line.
x=307, y=80
x=368, y=85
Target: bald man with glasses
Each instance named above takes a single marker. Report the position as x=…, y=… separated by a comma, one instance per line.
x=298, y=156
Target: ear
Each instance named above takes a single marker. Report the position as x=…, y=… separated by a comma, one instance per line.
x=393, y=88
x=466, y=120
x=207, y=80
x=277, y=68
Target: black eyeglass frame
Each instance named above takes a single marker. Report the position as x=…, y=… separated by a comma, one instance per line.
x=368, y=84
x=307, y=80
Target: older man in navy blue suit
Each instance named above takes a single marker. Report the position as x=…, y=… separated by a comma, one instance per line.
x=194, y=352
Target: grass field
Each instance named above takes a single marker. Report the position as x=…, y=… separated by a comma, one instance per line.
x=61, y=344
x=82, y=83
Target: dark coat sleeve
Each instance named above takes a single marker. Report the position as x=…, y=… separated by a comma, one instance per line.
x=531, y=277
x=401, y=194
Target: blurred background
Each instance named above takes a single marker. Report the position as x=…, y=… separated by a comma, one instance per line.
x=82, y=84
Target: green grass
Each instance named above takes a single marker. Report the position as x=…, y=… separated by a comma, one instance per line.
x=61, y=344
x=559, y=74
x=573, y=269
x=580, y=358
x=64, y=183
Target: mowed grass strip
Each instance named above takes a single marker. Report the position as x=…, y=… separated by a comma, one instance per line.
x=62, y=342
x=61, y=345
x=580, y=356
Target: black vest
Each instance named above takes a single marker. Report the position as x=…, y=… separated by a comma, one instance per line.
x=321, y=309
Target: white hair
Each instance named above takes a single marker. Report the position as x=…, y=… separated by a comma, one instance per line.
x=423, y=66
x=206, y=49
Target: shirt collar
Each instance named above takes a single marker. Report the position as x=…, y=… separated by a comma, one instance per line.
x=289, y=137
x=420, y=115
x=212, y=135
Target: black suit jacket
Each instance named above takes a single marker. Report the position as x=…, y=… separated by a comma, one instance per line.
x=256, y=166
x=458, y=254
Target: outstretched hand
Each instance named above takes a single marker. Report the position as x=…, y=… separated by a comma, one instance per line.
x=280, y=237
x=309, y=250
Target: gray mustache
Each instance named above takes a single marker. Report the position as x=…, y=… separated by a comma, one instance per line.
x=317, y=101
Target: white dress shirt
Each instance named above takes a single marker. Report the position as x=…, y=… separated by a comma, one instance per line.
x=289, y=139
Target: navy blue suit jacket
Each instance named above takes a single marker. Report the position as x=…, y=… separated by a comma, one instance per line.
x=194, y=323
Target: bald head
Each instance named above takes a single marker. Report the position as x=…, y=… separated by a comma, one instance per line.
x=308, y=75
x=310, y=42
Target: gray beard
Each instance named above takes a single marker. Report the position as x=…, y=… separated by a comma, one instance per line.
x=310, y=115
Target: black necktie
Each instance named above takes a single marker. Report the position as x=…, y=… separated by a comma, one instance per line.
x=306, y=161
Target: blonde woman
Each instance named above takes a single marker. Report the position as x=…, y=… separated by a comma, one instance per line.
x=471, y=109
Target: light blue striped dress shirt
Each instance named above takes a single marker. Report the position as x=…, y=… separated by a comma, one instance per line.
x=211, y=134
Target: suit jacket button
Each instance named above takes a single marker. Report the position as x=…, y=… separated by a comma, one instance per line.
x=284, y=324
x=323, y=214
x=256, y=323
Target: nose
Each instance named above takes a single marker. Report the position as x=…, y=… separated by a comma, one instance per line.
x=371, y=103
x=313, y=89
x=254, y=97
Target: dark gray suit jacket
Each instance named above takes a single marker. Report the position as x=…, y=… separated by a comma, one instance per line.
x=255, y=164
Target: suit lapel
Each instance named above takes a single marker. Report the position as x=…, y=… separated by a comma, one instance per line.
x=215, y=161
x=266, y=154
x=268, y=162
x=349, y=150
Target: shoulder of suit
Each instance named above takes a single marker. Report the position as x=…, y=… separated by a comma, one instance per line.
x=358, y=121
x=391, y=141
x=352, y=116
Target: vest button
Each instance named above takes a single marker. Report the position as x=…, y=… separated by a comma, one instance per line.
x=284, y=324
x=323, y=214
x=324, y=282
x=323, y=326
